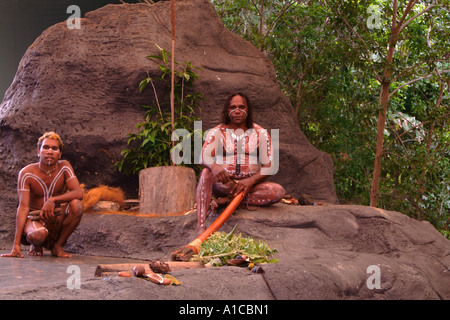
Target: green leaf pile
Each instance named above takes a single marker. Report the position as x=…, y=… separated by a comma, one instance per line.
x=221, y=247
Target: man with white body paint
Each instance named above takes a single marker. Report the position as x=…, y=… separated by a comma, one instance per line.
x=51, y=189
x=237, y=157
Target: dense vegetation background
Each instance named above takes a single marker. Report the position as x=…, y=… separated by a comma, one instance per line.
x=369, y=82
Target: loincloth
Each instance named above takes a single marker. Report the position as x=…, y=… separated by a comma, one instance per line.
x=49, y=224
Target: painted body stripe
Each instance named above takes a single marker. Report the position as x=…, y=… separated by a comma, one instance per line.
x=48, y=192
x=38, y=180
x=246, y=161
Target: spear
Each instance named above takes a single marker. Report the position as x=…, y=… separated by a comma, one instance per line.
x=172, y=92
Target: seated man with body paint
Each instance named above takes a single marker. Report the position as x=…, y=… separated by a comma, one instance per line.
x=237, y=157
x=50, y=205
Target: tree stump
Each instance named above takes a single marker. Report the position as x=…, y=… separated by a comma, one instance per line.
x=166, y=190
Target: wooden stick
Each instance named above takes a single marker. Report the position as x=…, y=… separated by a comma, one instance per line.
x=229, y=210
x=185, y=253
x=114, y=268
x=35, y=215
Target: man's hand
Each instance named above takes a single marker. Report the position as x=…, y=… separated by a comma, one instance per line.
x=15, y=252
x=47, y=210
x=219, y=173
x=244, y=185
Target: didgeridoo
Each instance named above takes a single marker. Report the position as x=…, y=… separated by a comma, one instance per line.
x=185, y=253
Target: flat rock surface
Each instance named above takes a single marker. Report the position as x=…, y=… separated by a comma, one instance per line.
x=325, y=252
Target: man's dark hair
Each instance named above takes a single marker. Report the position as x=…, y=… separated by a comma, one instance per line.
x=226, y=118
x=50, y=135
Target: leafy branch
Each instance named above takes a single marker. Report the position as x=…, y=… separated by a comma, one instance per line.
x=152, y=146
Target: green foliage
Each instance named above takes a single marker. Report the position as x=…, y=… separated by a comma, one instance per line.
x=327, y=58
x=152, y=145
x=225, y=246
x=416, y=174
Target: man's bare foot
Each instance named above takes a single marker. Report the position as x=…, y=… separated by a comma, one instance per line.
x=59, y=252
x=35, y=250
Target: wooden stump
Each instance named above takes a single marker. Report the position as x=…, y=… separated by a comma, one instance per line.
x=167, y=189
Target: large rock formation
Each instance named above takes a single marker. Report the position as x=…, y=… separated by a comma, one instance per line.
x=83, y=83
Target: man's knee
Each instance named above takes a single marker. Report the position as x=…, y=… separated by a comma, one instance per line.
x=205, y=174
x=266, y=193
x=279, y=192
x=76, y=207
x=37, y=237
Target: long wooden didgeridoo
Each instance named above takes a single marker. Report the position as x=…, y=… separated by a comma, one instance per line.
x=185, y=253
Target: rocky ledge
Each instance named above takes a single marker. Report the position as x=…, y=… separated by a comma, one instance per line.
x=325, y=252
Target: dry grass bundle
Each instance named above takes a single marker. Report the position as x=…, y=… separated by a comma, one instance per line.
x=105, y=193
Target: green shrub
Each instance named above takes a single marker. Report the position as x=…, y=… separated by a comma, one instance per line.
x=152, y=145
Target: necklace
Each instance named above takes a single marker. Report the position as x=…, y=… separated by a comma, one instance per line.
x=48, y=172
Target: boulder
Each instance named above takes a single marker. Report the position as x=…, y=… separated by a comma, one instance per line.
x=103, y=206
x=83, y=83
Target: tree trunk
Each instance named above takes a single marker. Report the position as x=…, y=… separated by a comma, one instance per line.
x=172, y=86
x=166, y=190
x=374, y=190
x=384, y=100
